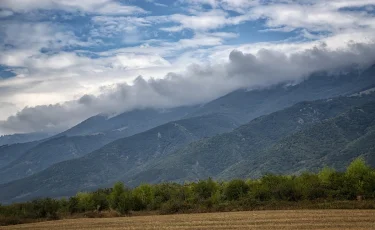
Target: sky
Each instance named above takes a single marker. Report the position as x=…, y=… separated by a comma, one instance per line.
x=62, y=61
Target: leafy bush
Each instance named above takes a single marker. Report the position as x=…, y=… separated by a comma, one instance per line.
x=236, y=189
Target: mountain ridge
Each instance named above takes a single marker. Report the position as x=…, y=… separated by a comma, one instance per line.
x=58, y=180
x=240, y=106
x=233, y=146
x=123, y=153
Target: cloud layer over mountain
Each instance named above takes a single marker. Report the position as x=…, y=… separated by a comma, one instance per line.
x=63, y=61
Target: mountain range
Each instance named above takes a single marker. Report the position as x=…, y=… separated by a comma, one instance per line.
x=246, y=133
x=81, y=139
x=286, y=141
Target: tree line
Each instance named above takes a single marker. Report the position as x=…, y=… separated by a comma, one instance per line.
x=326, y=186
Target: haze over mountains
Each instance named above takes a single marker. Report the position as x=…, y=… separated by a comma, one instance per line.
x=245, y=133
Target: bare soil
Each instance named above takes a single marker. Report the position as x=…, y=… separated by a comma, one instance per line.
x=291, y=219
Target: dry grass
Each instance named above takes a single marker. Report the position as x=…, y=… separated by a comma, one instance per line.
x=298, y=219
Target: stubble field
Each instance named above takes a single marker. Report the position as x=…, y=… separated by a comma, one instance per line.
x=299, y=219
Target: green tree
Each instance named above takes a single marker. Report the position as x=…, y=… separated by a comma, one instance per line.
x=114, y=196
x=310, y=186
x=325, y=175
x=165, y=192
x=85, y=202
x=63, y=206
x=236, y=189
x=73, y=206
x=120, y=199
x=100, y=199
x=204, y=189
x=125, y=202
x=358, y=175
x=44, y=208
x=143, y=195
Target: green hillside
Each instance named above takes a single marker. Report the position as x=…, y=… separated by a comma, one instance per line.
x=9, y=153
x=50, y=152
x=268, y=144
x=334, y=142
x=111, y=162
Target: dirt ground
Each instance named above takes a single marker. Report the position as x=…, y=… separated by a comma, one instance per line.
x=299, y=219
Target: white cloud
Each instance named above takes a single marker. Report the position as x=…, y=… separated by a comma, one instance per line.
x=176, y=48
x=312, y=15
x=139, y=61
x=28, y=39
x=203, y=21
x=126, y=27
x=107, y=7
x=316, y=17
x=62, y=76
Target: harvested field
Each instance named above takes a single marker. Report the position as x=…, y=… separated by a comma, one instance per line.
x=299, y=219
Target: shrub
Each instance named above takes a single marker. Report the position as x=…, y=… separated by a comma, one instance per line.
x=204, y=189
x=236, y=189
x=143, y=196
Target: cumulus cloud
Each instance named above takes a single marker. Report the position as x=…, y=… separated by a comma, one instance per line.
x=107, y=7
x=197, y=84
x=313, y=15
x=27, y=40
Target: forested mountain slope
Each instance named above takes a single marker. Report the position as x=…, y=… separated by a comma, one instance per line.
x=233, y=154
x=50, y=152
x=9, y=153
x=20, y=160
x=334, y=142
x=111, y=162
